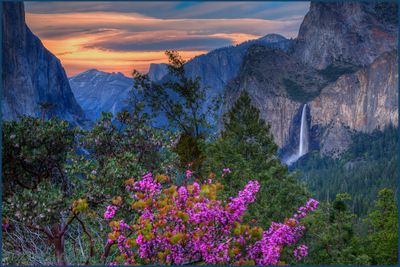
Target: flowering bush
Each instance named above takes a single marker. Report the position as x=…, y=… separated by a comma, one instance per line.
x=188, y=224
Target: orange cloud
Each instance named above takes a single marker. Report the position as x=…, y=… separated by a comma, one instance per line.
x=122, y=42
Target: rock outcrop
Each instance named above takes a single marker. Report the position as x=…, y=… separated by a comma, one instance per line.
x=346, y=34
x=157, y=71
x=363, y=101
x=31, y=74
x=277, y=84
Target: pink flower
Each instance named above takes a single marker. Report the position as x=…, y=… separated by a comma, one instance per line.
x=189, y=173
x=202, y=227
x=110, y=212
x=300, y=252
x=183, y=193
x=196, y=188
x=5, y=226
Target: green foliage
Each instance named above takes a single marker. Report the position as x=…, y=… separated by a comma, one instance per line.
x=246, y=146
x=181, y=100
x=190, y=151
x=57, y=193
x=119, y=150
x=38, y=207
x=369, y=165
x=335, y=70
x=331, y=235
x=296, y=92
x=382, y=221
x=35, y=151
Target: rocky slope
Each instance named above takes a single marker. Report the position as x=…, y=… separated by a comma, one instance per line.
x=98, y=91
x=342, y=65
x=31, y=74
x=218, y=67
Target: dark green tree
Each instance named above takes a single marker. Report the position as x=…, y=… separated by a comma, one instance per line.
x=331, y=235
x=37, y=192
x=46, y=107
x=382, y=221
x=181, y=100
x=246, y=146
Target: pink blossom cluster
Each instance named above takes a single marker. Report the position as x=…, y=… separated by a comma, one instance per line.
x=180, y=225
x=311, y=205
x=268, y=250
x=146, y=185
x=239, y=204
x=110, y=212
x=300, y=252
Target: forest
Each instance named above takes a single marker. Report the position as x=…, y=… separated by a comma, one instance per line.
x=129, y=191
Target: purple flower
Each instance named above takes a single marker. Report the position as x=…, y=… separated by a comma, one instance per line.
x=300, y=252
x=110, y=212
x=189, y=173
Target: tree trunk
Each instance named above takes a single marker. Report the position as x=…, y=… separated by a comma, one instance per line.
x=58, y=243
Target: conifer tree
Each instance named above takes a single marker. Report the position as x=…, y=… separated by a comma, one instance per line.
x=246, y=150
x=383, y=229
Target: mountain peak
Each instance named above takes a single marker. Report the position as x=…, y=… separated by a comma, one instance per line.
x=90, y=71
x=273, y=38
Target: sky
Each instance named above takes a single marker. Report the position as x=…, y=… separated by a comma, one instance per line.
x=122, y=36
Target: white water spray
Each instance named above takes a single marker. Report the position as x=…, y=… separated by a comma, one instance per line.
x=303, y=145
x=303, y=141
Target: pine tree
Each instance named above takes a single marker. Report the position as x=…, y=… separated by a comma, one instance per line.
x=246, y=146
x=331, y=235
x=383, y=229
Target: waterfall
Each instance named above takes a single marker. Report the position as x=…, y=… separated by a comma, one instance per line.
x=303, y=140
x=303, y=143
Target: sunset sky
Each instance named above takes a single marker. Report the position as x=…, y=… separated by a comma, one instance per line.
x=122, y=36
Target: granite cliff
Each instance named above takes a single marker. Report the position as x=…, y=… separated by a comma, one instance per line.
x=363, y=101
x=343, y=65
x=31, y=74
x=346, y=34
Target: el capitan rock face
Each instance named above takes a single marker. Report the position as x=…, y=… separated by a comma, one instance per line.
x=31, y=74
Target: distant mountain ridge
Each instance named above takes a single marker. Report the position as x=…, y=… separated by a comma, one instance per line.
x=218, y=67
x=97, y=91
